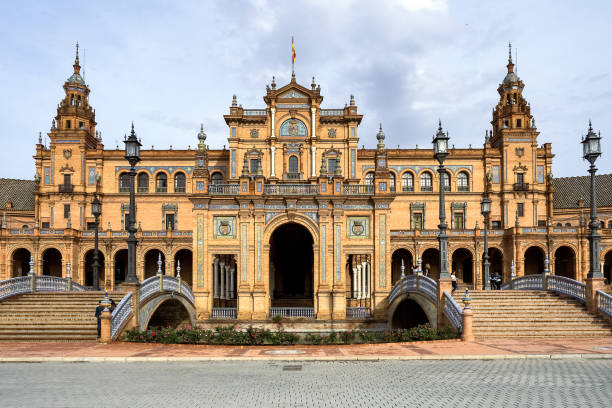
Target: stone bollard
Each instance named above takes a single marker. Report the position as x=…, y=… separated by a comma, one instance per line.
x=32, y=275
x=466, y=319
x=105, y=321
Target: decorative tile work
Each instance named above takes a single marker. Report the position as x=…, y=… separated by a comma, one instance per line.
x=224, y=207
x=154, y=169
x=312, y=216
x=199, y=206
x=382, y=272
x=274, y=206
x=199, y=186
x=353, y=160
x=417, y=169
x=323, y=253
x=338, y=258
x=358, y=227
x=234, y=163
x=200, y=250
x=358, y=207
x=243, y=246
x=382, y=206
x=258, y=249
x=225, y=227
x=270, y=215
x=307, y=207
x=293, y=106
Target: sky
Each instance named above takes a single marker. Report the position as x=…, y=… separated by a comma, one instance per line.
x=170, y=65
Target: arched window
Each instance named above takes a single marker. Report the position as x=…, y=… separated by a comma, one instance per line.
x=610, y=224
x=407, y=182
x=143, y=182
x=602, y=224
x=568, y=224
x=216, y=178
x=446, y=181
x=124, y=183
x=369, y=178
x=180, y=182
x=463, y=182
x=161, y=183
x=559, y=225
x=392, y=181
x=293, y=167
x=293, y=128
x=426, y=182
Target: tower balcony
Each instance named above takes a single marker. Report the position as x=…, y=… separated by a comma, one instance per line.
x=66, y=188
x=521, y=186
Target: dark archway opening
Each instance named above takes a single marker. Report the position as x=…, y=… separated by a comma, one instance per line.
x=171, y=313
x=396, y=264
x=408, y=314
x=431, y=263
x=21, y=262
x=462, y=265
x=52, y=263
x=89, y=274
x=565, y=262
x=185, y=257
x=607, y=269
x=496, y=262
x=291, y=266
x=151, y=265
x=121, y=264
x=534, y=261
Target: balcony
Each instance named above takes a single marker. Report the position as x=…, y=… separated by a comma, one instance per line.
x=179, y=189
x=521, y=186
x=223, y=189
x=140, y=189
x=359, y=189
x=293, y=176
x=428, y=188
x=159, y=189
x=291, y=189
x=66, y=188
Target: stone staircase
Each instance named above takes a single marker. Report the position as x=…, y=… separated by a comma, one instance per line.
x=51, y=316
x=531, y=313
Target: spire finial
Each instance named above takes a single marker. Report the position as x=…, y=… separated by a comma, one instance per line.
x=590, y=126
x=509, y=52
x=77, y=66
x=234, y=101
x=381, y=137
x=39, y=138
x=439, y=125
x=76, y=60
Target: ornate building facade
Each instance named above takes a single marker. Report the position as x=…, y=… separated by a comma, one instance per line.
x=294, y=213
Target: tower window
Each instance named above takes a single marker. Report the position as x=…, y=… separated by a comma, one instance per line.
x=507, y=99
x=519, y=123
x=514, y=98
x=66, y=210
x=68, y=124
x=520, y=208
x=81, y=125
x=506, y=123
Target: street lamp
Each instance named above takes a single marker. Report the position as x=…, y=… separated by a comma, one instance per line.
x=485, y=210
x=591, y=150
x=96, y=210
x=440, y=143
x=132, y=155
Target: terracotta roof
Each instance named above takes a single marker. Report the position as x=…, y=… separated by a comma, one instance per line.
x=18, y=192
x=568, y=190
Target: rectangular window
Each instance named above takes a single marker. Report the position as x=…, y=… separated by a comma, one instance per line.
x=68, y=124
x=170, y=221
x=496, y=224
x=45, y=225
x=495, y=174
x=323, y=187
x=520, y=178
x=245, y=187
x=520, y=208
x=47, y=175
x=259, y=186
x=91, y=175
x=458, y=221
x=352, y=132
x=66, y=210
x=233, y=132
x=67, y=179
x=81, y=125
x=254, y=166
x=382, y=186
x=541, y=223
x=417, y=221
x=338, y=187
x=91, y=226
x=519, y=123
x=331, y=165
x=540, y=174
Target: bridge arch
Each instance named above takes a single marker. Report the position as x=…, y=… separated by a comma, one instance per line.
x=164, y=307
x=410, y=309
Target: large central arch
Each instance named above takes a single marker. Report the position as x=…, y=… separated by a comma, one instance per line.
x=291, y=266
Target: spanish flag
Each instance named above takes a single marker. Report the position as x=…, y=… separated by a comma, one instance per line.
x=292, y=51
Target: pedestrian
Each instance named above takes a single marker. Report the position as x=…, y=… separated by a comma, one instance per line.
x=99, y=310
x=113, y=305
x=427, y=270
x=453, y=282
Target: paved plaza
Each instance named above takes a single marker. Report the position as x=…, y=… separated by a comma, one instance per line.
x=488, y=383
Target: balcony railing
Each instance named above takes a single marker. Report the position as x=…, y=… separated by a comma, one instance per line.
x=332, y=112
x=223, y=189
x=359, y=189
x=159, y=189
x=124, y=189
x=66, y=188
x=521, y=186
x=178, y=189
x=291, y=189
x=463, y=189
x=140, y=189
x=427, y=188
x=293, y=176
x=254, y=112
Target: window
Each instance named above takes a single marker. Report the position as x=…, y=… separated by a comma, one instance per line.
x=417, y=221
x=170, y=221
x=66, y=210
x=143, y=182
x=392, y=182
x=332, y=164
x=45, y=225
x=81, y=125
x=382, y=186
x=520, y=178
x=216, y=178
x=293, y=164
x=506, y=123
x=369, y=178
x=91, y=175
x=541, y=223
x=47, y=175
x=68, y=124
x=91, y=226
x=463, y=183
x=254, y=164
x=496, y=224
x=67, y=179
x=519, y=123
x=520, y=208
x=609, y=223
x=161, y=183
x=568, y=224
x=407, y=182
x=426, y=182
x=495, y=174
x=180, y=182
x=458, y=221
x=446, y=181
x=233, y=132
x=602, y=224
x=124, y=183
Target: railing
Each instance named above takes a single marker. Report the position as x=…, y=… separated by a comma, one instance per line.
x=223, y=189
x=358, y=312
x=66, y=188
x=14, y=286
x=332, y=112
x=291, y=189
x=124, y=189
x=359, y=189
x=51, y=284
x=426, y=188
x=521, y=186
x=293, y=176
x=161, y=189
x=429, y=287
x=170, y=283
x=415, y=283
x=121, y=313
x=22, y=284
x=566, y=286
x=179, y=189
x=141, y=189
x=150, y=287
x=452, y=311
x=254, y=112
x=530, y=282
x=224, y=313
x=604, y=303
x=292, y=312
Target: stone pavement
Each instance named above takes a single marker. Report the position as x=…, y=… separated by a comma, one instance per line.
x=443, y=349
x=452, y=384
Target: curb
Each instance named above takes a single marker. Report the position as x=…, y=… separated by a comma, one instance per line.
x=117, y=359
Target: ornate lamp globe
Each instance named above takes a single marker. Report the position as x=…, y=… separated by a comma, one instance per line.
x=132, y=148
x=440, y=144
x=591, y=146
x=96, y=207
x=485, y=206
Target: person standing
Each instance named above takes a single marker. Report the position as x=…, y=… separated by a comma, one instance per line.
x=97, y=315
x=453, y=282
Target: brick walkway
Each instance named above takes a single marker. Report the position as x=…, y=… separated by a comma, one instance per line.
x=445, y=349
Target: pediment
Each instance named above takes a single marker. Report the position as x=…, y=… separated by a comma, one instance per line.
x=293, y=94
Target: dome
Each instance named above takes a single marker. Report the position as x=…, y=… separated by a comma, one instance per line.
x=511, y=77
x=76, y=78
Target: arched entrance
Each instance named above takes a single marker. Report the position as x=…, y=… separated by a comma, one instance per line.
x=396, y=264
x=171, y=313
x=121, y=264
x=496, y=262
x=52, y=262
x=291, y=266
x=534, y=261
x=607, y=269
x=565, y=262
x=431, y=263
x=21, y=262
x=151, y=263
x=462, y=262
x=88, y=264
x=408, y=314
x=185, y=257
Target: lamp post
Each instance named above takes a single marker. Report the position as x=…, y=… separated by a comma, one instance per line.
x=96, y=210
x=440, y=143
x=591, y=149
x=485, y=210
x=132, y=155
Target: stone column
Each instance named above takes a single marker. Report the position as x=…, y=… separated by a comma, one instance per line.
x=313, y=153
x=227, y=282
x=354, y=292
x=272, y=123
x=216, y=279
x=232, y=283
x=466, y=321
x=358, y=272
x=222, y=279
x=272, y=164
x=366, y=273
x=105, y=327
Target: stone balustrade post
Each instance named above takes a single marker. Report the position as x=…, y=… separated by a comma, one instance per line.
x=105, y=326
x=444, y=285
x=466, y=321
x=592, y=286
